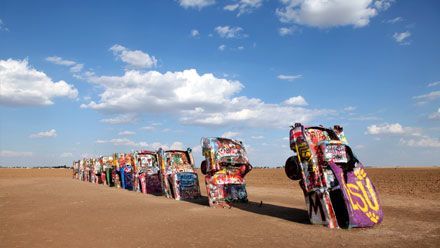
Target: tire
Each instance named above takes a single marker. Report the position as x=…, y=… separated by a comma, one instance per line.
x=293, y=169
x=203, y=167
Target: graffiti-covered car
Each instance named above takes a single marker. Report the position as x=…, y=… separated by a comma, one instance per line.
x=126, y=170
x=337, y=190
x=178, y=176
x=148, y=172
x=225, y=167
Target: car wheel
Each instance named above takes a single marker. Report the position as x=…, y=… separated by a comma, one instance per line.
x=292, y=168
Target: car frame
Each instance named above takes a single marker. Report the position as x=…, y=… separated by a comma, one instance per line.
x=148, y=172
x=337, y=190
x=179, y=177
x=225, y=166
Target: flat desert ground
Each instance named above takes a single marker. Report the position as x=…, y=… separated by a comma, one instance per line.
x=46, y=208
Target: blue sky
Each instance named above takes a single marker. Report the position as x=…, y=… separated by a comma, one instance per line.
x=88, y=78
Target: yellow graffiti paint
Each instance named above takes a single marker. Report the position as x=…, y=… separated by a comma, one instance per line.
x=355, y=204
x=375, y=204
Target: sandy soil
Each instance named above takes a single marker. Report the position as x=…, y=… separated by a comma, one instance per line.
x=46, y=208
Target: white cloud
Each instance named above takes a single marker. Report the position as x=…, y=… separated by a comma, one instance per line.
x=11, y=154
x=74, y=66
x=230, y=135
x=289, y=77
x=66, y=155
x=349, y=108
x=435, y=115
x=433, y=84
x=197, y=4
x=330, y=13
x=22, y=85
x=252, y=112
x=195, y=33
x=222, y=47
x=424, y=141
x=60, y=61
x=296, y=101
x=286, y=31
x=2, y=26
x=120, y=119
x=240, y=48
x=402, y=37
x=383, y=4
x=257, y=137
x=118, y=142
x=196, y=99
x=395, y=20
x=126, y=133
x=134, y=58
x=244, y=6
x=229, y=32
x=45, y=134
x=395, y=128
x=153, y=91
x=431, y=96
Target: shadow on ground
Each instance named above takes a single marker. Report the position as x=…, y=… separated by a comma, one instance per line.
x=286, y=213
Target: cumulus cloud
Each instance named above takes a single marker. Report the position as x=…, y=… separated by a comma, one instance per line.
x=222, y=47
x=22, y=85
x=289, y=77
x=229, y=32
x=177, y=145
x=330, y=13
x=395, y=128
x=401, y=38
x=120, y=119
x=136, y=58
x=195, y=33
x=197, y=4
x=126, y=133
x=197, y=99
x=252, y=112
x=45, y=134
x=383, y=4
x=244, y=6
x=296, y=101
x=230, y=135
x=286, y=31
x=11, y=154
x=153, y=91
x=424, y=141
x=386, y=128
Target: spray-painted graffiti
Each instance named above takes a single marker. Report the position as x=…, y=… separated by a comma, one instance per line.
x=225, y=166
x=178, y=176
x=337, y=191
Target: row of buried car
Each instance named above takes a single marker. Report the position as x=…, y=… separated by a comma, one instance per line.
x=172, y=172
x=337, y=191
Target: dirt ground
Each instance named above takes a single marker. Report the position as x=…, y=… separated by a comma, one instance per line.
x=46, y=208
